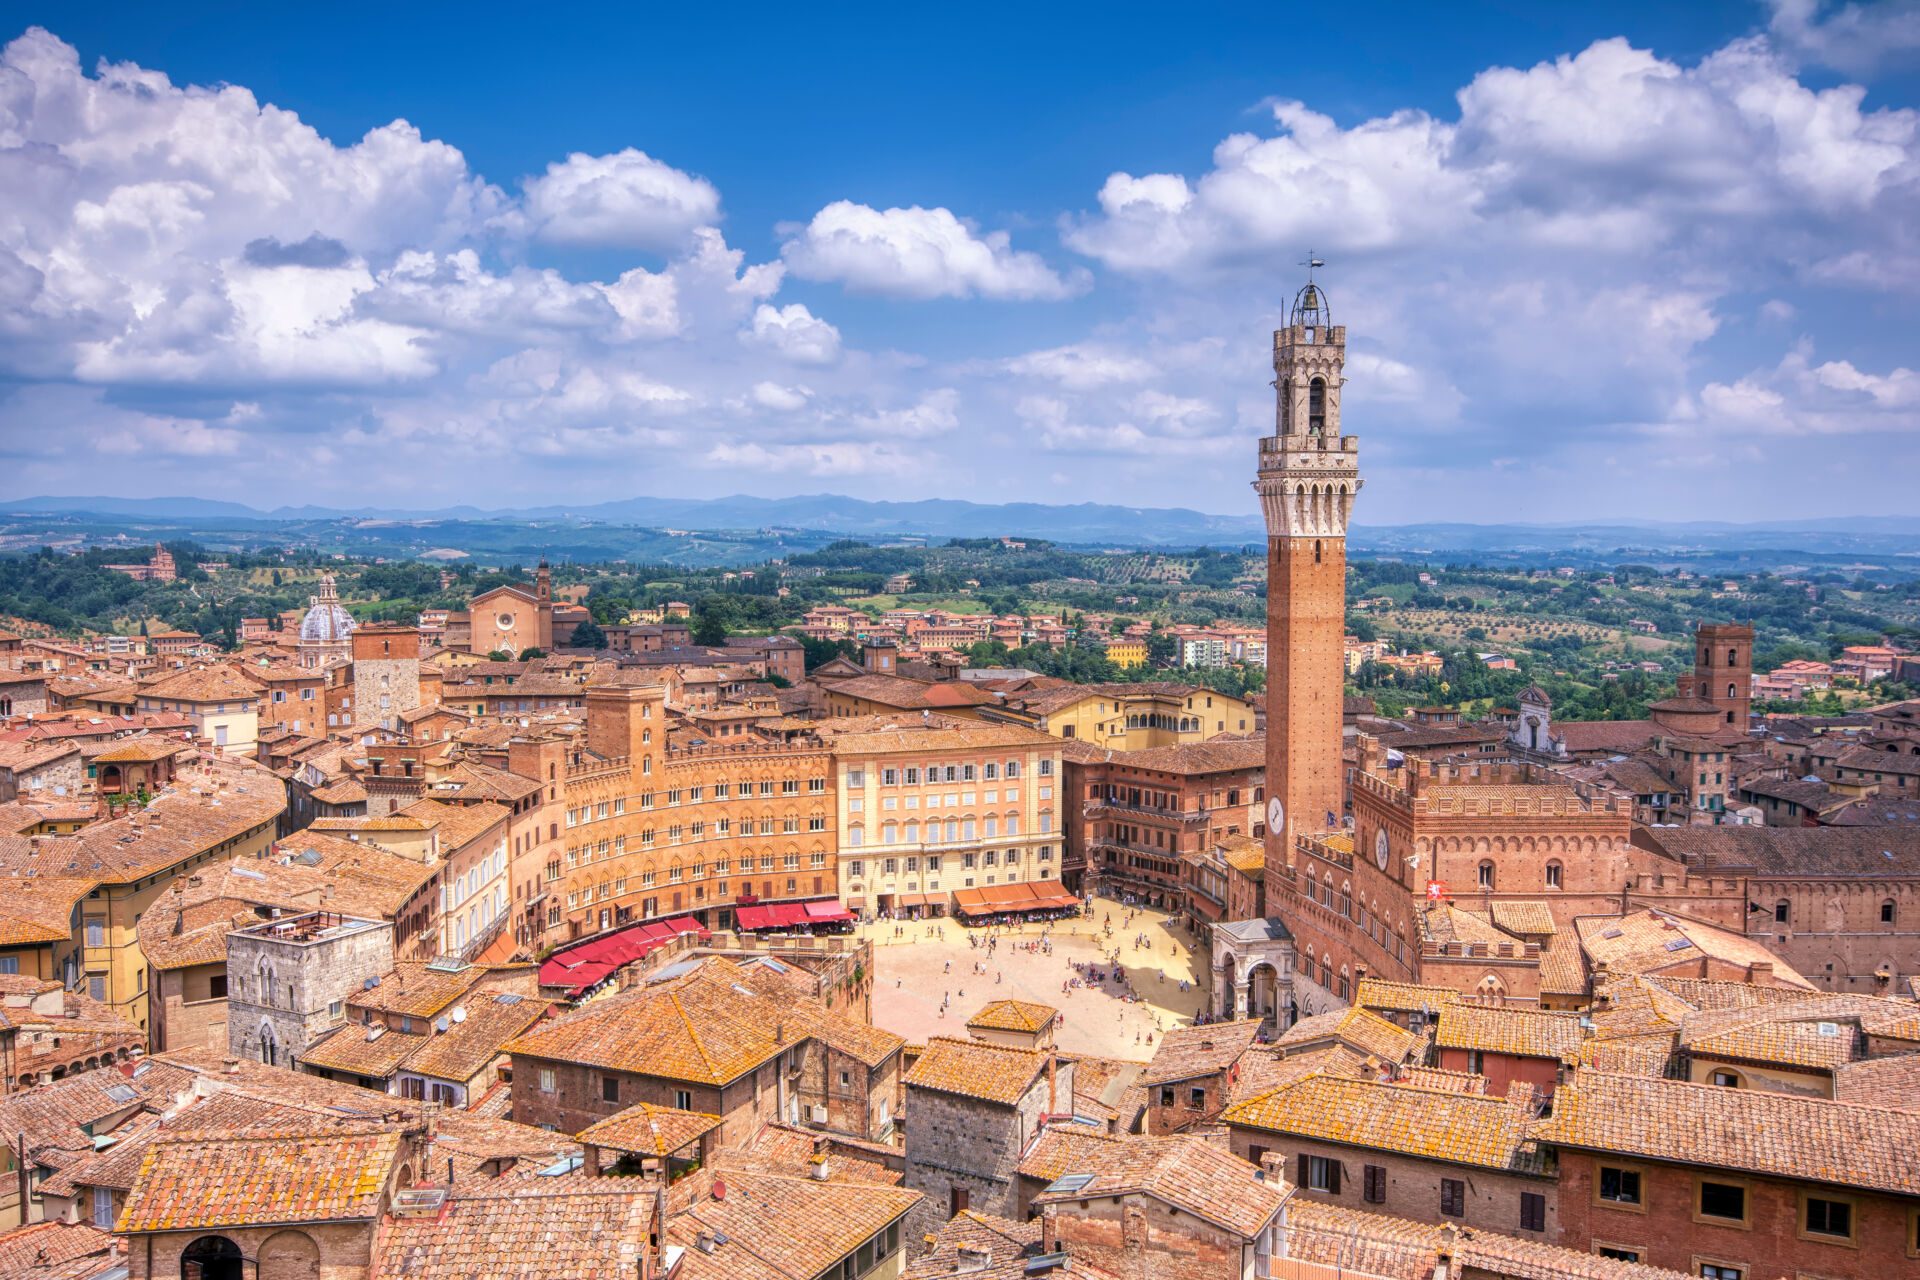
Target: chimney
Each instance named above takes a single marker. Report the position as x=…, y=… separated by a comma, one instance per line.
x=231, y=1066
x=1760, y=972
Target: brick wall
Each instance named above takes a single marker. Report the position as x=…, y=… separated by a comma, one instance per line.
x=1492, y=1198
x=1667, y=1231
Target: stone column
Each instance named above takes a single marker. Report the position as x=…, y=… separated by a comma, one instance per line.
x=1240, y=999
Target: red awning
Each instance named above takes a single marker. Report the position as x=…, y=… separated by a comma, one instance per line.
x=752, y=918
x=827, y=911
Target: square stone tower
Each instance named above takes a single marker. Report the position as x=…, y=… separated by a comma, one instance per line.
x=386, y=673
x=1309, y=475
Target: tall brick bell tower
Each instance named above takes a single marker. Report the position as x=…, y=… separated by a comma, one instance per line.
x=1309, y=476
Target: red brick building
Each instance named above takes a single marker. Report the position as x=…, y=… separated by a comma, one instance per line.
x=1734, y=1184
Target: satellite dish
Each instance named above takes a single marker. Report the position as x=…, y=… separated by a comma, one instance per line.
x=459, y=1014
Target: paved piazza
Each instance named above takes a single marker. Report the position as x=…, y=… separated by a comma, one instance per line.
x=916, y=971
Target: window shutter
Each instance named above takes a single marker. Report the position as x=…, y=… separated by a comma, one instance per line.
x=1300, y=1170
x=1333, y=1177
x=1533, y=1211
x=1375, y=1185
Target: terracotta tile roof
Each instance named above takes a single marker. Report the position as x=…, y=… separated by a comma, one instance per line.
x=1188, y=1052
x=871, y=735
x=1819, y=1032
x=1563, y=966
x=1804, y=1139
x=1006, y=1246
x=373, y=1052
x=187, y=924
x=1447, y=1081
x=216, y=800
x=468, y=1047
x=791, y=1152
x=1531, y=1033
x=1648, y=1055
x=1373, y=1244
x=1266, y=1069
x=203, y=684
x=780, y=1228
x=648, y=1130
x=1063, y=1148
x=1403, y=997
x=1188, y=1173
x=61, y=1115
x=54, y=1251
x=575, y=1232
x=1433, y=1124
x=1244, y=854
x=709, y=1026
x=140, y=749
x=38, y=909
x=1880, y=1082
x=241, y=1179
x=1229, y=752
x=1528, y=918
x=418, y=989
x=1649, y=941
x=1360, y=1029
x=1014, y=1015
x=460, y=824
x=974, y=1069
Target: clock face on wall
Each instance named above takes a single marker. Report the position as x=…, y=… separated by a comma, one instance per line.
x=1276, y=816
x=1381, y=848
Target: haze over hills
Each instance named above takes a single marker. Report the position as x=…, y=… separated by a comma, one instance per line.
x=1078, y=523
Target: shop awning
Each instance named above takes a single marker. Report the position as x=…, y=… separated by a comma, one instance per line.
x=971, y=902
x=827, y=911
x=752, y=917
x=589, y=963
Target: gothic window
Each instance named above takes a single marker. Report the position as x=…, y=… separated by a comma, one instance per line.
x=1317, y=407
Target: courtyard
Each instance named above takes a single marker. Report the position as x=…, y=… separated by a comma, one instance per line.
x=930, y=978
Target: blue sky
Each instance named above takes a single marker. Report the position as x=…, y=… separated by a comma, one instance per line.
x=1644, y=261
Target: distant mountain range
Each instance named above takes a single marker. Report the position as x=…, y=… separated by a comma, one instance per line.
x=1081, y=524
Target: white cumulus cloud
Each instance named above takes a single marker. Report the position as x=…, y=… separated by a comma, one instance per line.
x=919, y=253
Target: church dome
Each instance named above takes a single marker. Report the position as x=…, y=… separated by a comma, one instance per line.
x=326, y=621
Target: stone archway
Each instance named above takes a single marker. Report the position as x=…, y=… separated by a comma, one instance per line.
x=289, y=1255
x=211, y=1258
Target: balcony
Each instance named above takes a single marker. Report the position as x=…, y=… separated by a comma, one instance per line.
x=1101, y=808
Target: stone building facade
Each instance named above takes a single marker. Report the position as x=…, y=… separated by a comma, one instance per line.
x=971, y=1109
x=386, y=674
x=289, y=979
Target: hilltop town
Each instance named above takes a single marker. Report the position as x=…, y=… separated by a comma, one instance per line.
x=1310, y=936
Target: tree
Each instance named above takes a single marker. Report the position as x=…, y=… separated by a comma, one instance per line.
x=531, y=652
x=500, y=655
x=588, y=635
x=709, y=628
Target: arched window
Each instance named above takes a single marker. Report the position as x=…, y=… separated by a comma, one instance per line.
x=1732, y=690
x=1486, y=875
x=1553, y=874
x=211, y=1258
x=1317, y=407
x=1733, y=657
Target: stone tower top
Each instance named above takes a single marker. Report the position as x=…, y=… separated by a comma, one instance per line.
x=1309, y=472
